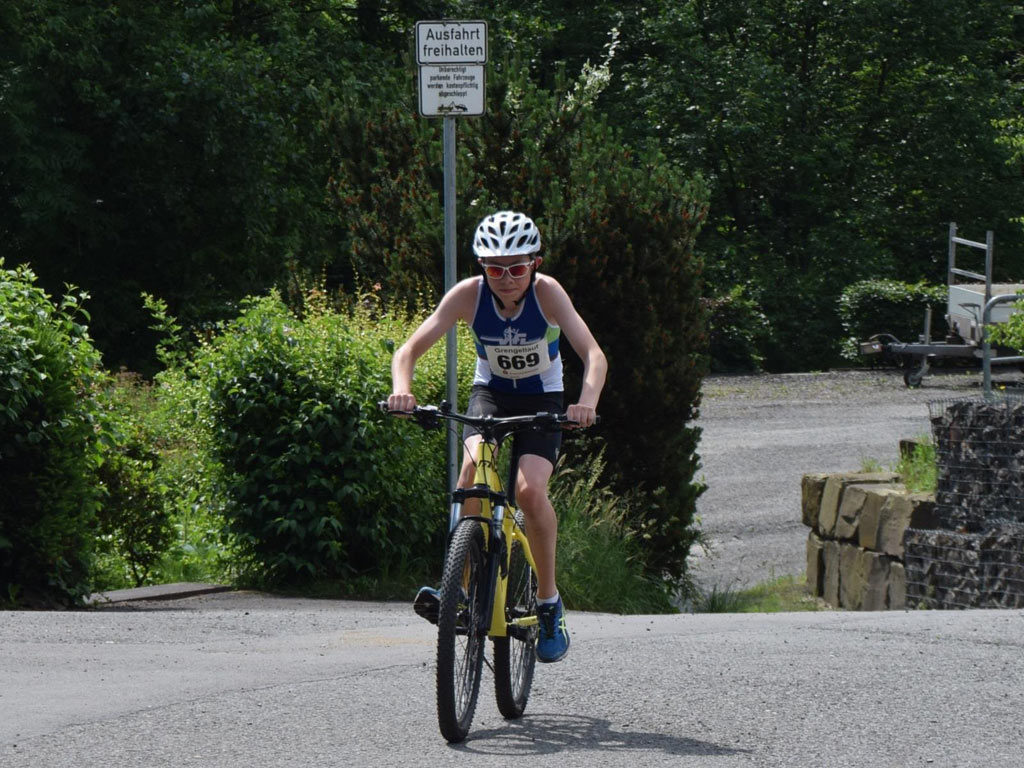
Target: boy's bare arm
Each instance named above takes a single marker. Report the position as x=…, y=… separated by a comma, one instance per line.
x=456, y=305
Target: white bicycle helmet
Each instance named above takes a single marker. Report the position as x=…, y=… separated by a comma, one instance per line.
x=506, y=233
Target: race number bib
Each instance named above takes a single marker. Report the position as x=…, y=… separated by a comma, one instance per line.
x=519, y=362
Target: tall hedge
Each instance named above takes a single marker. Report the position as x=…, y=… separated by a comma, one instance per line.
x=321, y=485
x=617, y=227
x=49, y=444
x=737, y=327
x=870, y=307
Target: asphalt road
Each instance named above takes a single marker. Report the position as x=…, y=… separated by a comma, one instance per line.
x=240, y=679
x=236, y=679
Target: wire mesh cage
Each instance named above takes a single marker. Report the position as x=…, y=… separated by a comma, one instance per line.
x=975, y=558
x=979, y=448
x=950, y=569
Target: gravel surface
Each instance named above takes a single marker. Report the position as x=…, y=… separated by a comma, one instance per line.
x=761, y=434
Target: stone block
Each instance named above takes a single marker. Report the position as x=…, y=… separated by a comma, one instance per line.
x=830, y=584
x=863, y=579
x=860, y=499
x=867, y=529
x=899, y=512
x=815, y=564
x=893, y=521
x=897, y=586
x=850, y=506
x=850, y=581
x=831, y=497
x=812, y=487
x=874, y=570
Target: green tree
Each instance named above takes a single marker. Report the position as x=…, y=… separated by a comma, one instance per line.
x=839, y=140
x=168, y=147
x=50, y=451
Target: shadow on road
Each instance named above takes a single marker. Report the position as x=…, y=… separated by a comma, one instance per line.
x=543, y=734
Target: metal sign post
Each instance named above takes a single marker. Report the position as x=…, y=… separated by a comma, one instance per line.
x=450, y=274
x=451, y=57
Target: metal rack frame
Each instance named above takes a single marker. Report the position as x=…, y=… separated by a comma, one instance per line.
x=924, y=351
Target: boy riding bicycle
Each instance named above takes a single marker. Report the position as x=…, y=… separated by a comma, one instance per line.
x=516, y=316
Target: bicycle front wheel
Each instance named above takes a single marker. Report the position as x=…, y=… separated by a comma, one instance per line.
x=461, y=630
x=514, y=654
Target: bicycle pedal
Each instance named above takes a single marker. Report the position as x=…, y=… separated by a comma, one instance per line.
x=523, y=634
x=427, y=604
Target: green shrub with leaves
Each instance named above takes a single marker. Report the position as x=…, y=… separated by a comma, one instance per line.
x=50, y=451
x=196, y=492
x=321, y=485
x=737, y=329
x=134, y=519
x=600, y=559
x=869, y=307
x=1010, y=334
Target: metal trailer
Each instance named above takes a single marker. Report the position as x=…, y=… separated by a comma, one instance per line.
x=972, y=306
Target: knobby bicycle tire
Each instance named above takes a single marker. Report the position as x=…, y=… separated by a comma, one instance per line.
x=461, y=630
x=515, y=654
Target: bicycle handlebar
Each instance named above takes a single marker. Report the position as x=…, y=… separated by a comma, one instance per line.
x=429, y=416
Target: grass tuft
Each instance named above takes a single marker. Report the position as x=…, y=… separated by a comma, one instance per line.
x=784, y=594
x=600, y=567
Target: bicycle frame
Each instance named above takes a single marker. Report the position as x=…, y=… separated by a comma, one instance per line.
x=499, y=529
x=483, y=551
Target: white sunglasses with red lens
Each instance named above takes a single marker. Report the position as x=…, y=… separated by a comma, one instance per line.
x=497, y=271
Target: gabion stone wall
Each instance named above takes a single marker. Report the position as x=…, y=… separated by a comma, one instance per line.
x=948, y=569
x=975, y=557
x=980, y=450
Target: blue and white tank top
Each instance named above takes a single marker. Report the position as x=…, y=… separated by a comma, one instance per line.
x=518, y=353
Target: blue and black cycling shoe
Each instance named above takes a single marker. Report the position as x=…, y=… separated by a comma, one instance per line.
x=427, y=603
x=553, y=641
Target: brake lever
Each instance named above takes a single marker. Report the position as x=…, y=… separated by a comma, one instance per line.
x=567, y=424
x=427, y=417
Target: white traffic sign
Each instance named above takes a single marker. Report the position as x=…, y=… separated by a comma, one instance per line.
x=451, y=90
x=451, y=57
x=451, y=42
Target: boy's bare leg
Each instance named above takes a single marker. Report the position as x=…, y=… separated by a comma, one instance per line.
x=541, y=522
x=468, y=473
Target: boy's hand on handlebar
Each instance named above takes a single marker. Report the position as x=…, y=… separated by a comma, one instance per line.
x=401, y=402
x=583, y=415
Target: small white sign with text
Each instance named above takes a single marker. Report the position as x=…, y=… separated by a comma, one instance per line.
x=451, y=57
x=451, y=90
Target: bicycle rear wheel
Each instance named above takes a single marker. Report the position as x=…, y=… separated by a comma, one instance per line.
x=514, y=654
x=461, y=630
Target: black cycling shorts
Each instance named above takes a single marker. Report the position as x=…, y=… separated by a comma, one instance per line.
x=483, y=401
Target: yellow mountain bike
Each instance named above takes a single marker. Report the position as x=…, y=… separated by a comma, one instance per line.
x=489, y=584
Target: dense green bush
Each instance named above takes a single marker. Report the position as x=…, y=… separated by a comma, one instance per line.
x=50, y=450
x=870, y=307
x=737, y=328
x=134, y=519
x=321, y=485
x=1010, y=334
